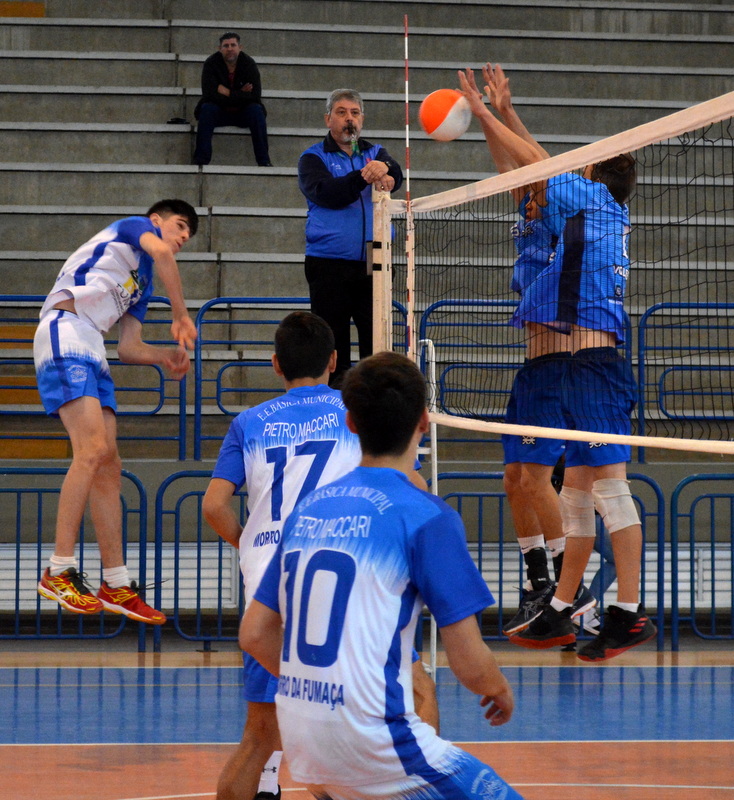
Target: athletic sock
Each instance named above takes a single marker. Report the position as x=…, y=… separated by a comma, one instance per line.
x=559, y=605
x=269, y=775
x=628, y=606
x=116, y=577
x=59, y=564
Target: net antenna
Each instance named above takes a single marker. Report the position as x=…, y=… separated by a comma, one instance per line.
x=459, y=259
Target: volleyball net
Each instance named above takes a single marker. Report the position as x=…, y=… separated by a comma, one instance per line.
x=454, y=262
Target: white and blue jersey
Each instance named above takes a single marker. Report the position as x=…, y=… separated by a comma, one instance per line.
x=584, y=285
x=357, y=560
x=107, y=277
x=535, y=243
x=283, y=449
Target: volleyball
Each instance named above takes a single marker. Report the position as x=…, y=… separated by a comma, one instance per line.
x=445, y=115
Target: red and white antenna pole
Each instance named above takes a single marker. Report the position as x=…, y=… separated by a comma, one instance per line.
x=411, y=336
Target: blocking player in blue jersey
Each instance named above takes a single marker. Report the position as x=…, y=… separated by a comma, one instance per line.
x=282, y=449
x=336, y=611
x=583, y=289
x=535, y=395
x=108, y=279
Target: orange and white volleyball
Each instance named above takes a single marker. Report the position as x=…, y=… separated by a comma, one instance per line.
x=445, y=115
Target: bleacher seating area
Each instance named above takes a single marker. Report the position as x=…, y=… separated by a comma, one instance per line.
x=86, y=94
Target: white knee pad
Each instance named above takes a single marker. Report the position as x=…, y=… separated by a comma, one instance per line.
x=577, y=512
x=615, y=504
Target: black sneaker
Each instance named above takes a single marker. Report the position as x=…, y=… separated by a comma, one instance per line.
x=551, y=629
x=531, y=607
x=584, y=601
x=268, y=795
x=620, y=630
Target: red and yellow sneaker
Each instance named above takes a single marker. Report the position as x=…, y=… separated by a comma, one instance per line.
x=126, y=600
x=70, y=591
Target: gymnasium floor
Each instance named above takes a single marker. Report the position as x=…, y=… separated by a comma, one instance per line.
x=108, y=725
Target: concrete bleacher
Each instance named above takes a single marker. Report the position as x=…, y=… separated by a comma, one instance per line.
x=87, y=90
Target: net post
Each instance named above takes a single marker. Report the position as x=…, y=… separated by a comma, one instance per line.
x=381, y=266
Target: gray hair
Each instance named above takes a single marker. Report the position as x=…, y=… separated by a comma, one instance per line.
x=341, y=94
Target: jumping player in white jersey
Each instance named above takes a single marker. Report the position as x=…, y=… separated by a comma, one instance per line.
x=336, y=611
x=282, y=449
x=108, y=279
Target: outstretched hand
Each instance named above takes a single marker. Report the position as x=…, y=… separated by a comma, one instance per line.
x=499, y=707
x=183, y=331
x=497, y=87
x=468, y=87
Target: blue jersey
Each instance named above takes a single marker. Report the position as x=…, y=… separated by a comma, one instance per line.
x=584, y=285
x=109, y=275
x=357, y=560
x=535, y=243
x=283, y=449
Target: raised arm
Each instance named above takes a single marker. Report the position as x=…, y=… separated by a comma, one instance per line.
x=497, y=89
x=498, y=135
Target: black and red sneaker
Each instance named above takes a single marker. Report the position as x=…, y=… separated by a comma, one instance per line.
x=551, y=629
x=620, y=630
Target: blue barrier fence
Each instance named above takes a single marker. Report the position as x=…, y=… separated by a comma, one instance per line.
x=702, y=556
x=197, y=578
x=28, y=502
x=143, y=391
x=678, y=359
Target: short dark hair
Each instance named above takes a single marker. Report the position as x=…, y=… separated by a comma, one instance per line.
x=303, y=345
x=168, y=207
x=229, y=35
x=385, y=395
x=618, y=174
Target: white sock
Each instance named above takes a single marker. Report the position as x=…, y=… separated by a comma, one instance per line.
x=116, y=577
x=627, y=606
x=559, y=605
x=269, y=775
x=58, y=564
x=528, y=543
x=557, y=546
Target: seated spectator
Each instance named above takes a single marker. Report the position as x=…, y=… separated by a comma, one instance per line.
x=230, y=95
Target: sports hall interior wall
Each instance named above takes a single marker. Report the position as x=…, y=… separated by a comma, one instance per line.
x=87, y=90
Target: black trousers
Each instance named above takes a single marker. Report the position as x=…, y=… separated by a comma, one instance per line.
x=341, y=291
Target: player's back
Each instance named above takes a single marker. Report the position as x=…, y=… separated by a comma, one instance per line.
x=288, y=447
x=351, y=551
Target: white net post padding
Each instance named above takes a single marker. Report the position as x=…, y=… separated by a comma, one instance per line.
x=382, y=338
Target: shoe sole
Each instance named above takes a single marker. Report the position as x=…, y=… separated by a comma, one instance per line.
x=130, y=614
x=612, y=653
x=49, y=595
x=577, y=612
x=544, y=644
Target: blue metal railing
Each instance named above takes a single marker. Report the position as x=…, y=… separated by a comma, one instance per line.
x=651, y=506
x=710, y=543
x=159, y=394
x=28, y=497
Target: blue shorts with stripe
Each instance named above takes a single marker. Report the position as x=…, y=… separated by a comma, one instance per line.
x=600, y=393
x=536, y=399
x=70, y=362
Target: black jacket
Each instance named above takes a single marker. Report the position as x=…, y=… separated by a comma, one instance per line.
x=215, y=72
